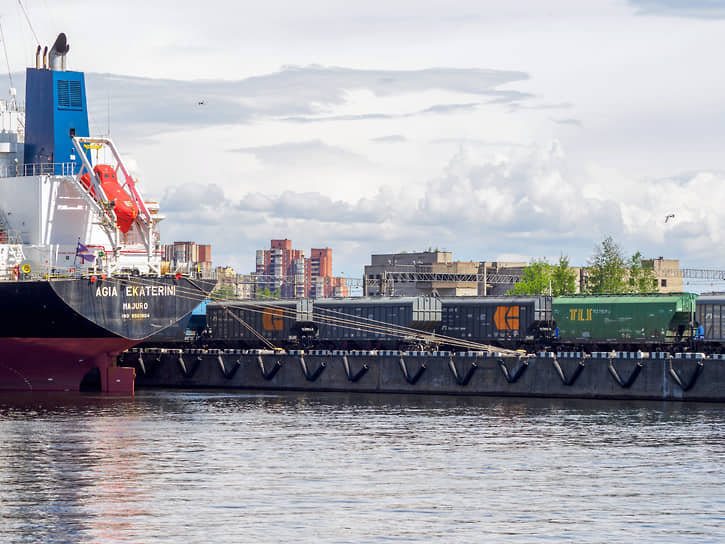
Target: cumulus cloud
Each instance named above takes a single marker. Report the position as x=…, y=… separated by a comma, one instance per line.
x=521, y=201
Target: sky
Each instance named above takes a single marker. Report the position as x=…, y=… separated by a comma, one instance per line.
x=494, y=130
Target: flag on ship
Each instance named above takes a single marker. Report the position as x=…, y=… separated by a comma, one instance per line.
x=84, y=253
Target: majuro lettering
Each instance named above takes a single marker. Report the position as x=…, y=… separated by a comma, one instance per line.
x=135, y=306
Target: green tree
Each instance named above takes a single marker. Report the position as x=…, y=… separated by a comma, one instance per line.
x=223, y=292
x=534, y=279
x=563, y=279
x=641, y=277
x=607, y=269
x=539, y=278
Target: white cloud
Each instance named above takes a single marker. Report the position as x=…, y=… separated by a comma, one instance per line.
x=521, y=202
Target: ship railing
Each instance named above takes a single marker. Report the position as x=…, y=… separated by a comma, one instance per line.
x=50, y=169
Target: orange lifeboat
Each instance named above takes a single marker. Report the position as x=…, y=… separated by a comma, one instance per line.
x=124, y=206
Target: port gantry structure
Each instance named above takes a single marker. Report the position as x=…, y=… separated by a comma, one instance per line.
x=391, y=278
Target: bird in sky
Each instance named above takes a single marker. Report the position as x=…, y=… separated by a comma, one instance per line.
x=202, y=102
x=669, y=216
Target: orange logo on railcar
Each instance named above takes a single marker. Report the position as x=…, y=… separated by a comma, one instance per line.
x=506, y=318
x=272, y=319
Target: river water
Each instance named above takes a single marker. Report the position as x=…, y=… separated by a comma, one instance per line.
x=210, y=466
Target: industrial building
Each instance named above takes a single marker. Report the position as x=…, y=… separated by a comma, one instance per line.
x=435, y=273
x=431, y=273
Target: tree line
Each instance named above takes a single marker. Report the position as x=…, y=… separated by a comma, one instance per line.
x=608, y=271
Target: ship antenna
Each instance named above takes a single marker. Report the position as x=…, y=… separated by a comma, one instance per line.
x=7, y=61
x=29, y=23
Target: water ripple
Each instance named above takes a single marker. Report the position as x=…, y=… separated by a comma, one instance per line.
x=209, y=466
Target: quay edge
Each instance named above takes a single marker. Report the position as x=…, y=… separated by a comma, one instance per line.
x=621, y=375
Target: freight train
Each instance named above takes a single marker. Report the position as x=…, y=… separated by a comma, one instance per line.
x=651, y=322
x=380, y=322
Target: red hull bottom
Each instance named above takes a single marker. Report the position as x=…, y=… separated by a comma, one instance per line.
x=59, y=364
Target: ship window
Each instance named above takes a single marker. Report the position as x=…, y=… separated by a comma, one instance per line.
x=69, y=95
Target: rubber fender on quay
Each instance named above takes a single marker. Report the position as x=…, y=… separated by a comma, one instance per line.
x=189, y=372
x=625, y=384
x=228, y=374
x=571, y=380
x=148, y=368
x=348, y=371
x=513, y=378
x=311, y=376
x=462, y=380
x=412, y=380
x=139, y=364
x=699, y=367
x=268, y=374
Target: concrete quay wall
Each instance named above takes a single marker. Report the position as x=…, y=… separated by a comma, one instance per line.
x=622, y=375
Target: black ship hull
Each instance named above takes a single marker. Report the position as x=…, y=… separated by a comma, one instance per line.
x=54, y=333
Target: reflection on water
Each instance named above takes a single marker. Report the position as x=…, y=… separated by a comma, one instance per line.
x=172, y=466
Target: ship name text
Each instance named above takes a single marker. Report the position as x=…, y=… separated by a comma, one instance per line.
x=137, y=291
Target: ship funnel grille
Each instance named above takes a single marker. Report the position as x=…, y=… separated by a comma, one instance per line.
x=69, y=94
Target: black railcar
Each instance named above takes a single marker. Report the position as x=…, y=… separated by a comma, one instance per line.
x=710, y=314
x=381, y=322
x=509, y=321
x=239, y=324
x=374, y=322
x=336, y=323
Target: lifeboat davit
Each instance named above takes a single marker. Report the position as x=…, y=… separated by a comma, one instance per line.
x=123, y=205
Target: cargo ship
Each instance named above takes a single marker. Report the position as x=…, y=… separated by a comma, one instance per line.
x=80, y=252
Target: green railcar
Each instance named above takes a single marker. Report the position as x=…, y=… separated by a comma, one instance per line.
x=650, y=318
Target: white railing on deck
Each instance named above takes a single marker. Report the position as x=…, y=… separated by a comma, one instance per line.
x=51, y=169
x=38, y=169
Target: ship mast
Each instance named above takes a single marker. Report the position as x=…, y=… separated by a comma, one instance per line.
x=11, y=103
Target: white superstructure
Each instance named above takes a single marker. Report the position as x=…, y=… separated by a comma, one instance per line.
x=43, y=217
